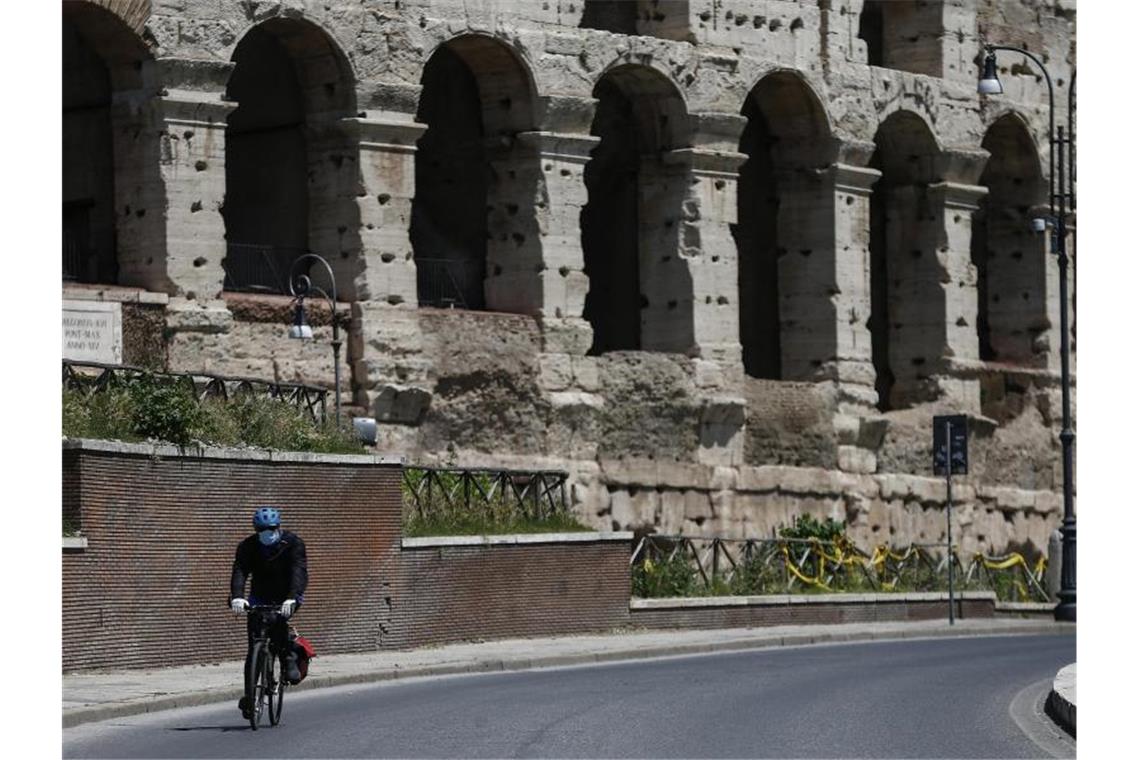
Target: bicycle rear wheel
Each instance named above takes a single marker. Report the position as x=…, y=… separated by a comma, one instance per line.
x=275, y=675
x=256, y=690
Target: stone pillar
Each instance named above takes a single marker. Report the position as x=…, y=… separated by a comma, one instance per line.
x=843, y=295
x=559, y=291
x=689, y=266
x=514, y=250
x=334, y=186
x=189, y=197
x=385, y=341
x=953, y=205
x=383, y=200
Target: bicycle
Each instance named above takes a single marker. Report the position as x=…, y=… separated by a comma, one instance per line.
x=265, y=678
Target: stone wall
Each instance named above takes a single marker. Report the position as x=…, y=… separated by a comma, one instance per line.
x=724, y=238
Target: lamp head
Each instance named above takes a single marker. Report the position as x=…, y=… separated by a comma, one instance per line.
x=989, y=84
x=365, y=428
x=300, y=329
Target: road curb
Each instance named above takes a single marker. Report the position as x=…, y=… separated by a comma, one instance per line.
x=80, y=715
x=1061, y=705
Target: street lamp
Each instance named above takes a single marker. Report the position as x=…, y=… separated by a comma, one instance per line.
x=989, y=84
x=300, y=286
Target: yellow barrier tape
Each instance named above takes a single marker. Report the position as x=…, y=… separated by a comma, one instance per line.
x=818, y=582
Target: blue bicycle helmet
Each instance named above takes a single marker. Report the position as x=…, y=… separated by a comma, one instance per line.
x=266, y=517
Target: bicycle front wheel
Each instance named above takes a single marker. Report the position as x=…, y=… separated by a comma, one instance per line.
x=256, y=680
x=275, y=676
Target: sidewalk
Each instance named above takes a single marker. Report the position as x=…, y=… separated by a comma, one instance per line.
x=98, y=696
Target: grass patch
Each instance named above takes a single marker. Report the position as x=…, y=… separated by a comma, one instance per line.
x=160, y=409
x=475, y=524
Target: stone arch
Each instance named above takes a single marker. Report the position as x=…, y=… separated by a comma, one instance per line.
x=291, y=161
x=632, y=220
x=907, y=313
x=1009, y=257
x=472, y=216
x=106, y=66
x=780, y=204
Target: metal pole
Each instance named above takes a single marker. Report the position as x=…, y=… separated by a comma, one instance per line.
x=949, y=542
x=1067, y=607
x=336, y=362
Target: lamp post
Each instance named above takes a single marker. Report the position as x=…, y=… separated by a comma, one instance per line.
x=300, y=286
x=1059, y=193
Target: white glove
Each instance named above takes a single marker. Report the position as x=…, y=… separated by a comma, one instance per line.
x=239, y=606
x=288, y=606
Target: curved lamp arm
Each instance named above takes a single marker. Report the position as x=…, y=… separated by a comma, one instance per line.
x=990, y=49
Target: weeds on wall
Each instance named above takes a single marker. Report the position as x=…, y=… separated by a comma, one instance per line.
x=156, y=409
x=443, y=510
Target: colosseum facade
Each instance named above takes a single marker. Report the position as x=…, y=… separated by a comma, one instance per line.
x=722, y=260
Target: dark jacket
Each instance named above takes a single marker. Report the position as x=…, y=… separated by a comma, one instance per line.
x=279, y=572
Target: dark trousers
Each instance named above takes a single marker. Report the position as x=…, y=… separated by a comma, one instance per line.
x=278, y=632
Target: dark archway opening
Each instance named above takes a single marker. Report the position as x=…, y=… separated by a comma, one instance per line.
x=878, y=323
x=903, y=35
x=871, y=31
x=907, y=320
x=617, y=16
x=1007, y=253
x=266, y=210
x=88, y=164
x=758, y=199
x=449, y=212
x=609, y=225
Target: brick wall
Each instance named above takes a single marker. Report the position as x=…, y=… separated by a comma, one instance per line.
x=152, y=586
x=500, y=590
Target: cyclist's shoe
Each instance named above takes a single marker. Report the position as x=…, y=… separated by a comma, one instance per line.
x=243, y=705
x=292, y=673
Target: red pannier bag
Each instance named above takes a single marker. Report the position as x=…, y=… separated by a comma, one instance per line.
x=303, y=648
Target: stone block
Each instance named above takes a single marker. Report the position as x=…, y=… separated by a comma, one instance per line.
x=555, y=372
x=400, y=404
x=856, y=459
x=585, y=371
x=672, y=511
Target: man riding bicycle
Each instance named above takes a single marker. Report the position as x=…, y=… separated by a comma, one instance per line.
x=275, y=560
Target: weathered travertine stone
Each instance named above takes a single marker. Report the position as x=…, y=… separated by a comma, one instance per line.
x=828, y=228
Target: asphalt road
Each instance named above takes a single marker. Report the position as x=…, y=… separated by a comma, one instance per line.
x=913, y=698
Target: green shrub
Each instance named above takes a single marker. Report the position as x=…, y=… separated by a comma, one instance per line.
x=164, y=409
x=663, y=577
x=757, y=576
x=806, y=526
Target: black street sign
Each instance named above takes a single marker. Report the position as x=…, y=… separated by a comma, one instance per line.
x=959, y=436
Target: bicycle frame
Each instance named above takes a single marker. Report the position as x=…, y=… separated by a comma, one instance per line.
x=264, y=683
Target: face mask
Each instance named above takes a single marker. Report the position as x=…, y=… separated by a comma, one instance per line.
x=269, y=537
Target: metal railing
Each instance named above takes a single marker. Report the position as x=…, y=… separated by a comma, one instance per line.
x=531, y=493
x=91, y=377
x=254, y=268
x=450, y=283
x=782, y=565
